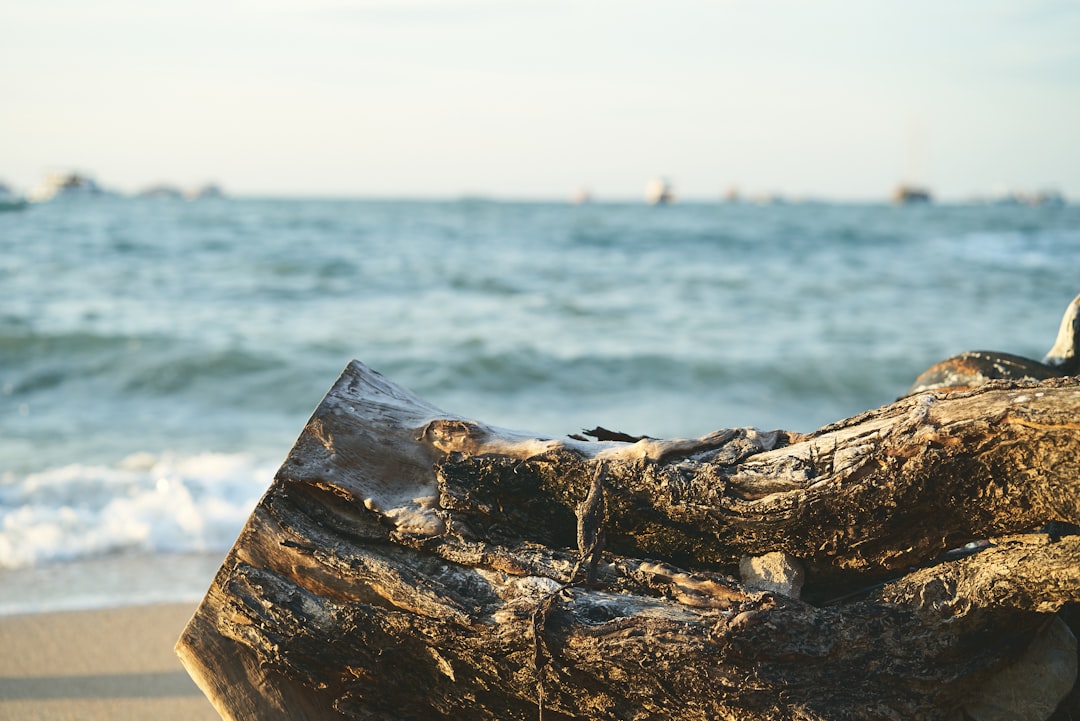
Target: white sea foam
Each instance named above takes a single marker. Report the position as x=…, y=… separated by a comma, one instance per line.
x=145, y=504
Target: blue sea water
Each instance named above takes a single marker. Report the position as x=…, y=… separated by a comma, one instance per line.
x=158, y=358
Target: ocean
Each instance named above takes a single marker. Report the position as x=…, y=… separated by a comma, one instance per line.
x=159, y=357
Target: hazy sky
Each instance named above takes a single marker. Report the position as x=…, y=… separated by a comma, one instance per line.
x=516, y=98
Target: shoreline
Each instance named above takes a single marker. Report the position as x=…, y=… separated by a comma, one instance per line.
x=107, y=663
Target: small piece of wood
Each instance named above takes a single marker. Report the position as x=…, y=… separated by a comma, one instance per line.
x=409, y=564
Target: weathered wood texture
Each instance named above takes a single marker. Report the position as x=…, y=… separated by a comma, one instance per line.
x=408, y=564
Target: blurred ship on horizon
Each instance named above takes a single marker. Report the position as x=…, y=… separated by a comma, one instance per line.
x=906, y=194
x=205, y=192
x=658, y=192
x=1046, y=198
x=67, y=184
x=70, y=184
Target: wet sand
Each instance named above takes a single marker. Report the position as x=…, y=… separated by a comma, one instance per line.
x=112, y=664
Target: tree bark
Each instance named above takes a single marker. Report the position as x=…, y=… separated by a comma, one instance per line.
x=409, y=564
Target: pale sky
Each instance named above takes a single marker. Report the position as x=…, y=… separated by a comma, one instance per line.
x=836, y=99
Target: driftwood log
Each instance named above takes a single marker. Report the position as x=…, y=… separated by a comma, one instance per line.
x=409, y=564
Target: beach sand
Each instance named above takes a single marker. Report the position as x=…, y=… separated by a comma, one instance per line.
x=110, y=664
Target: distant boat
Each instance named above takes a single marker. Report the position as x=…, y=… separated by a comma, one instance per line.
x=911, y=194
x=1050, y=198
x=1045, y=198
x=205, y=192
x=658, y=192
x=582, y=196
x=9, y=200
x=911, y=191
x=67, y=185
